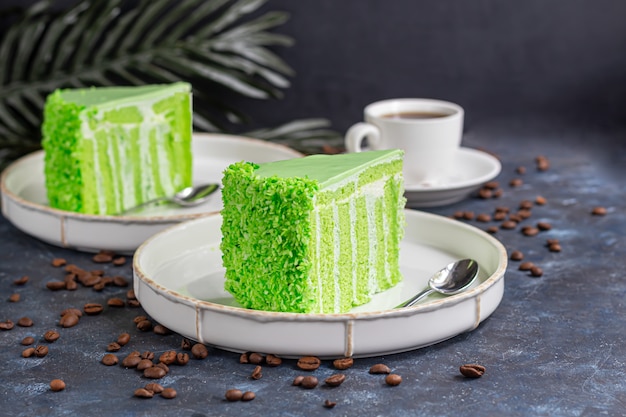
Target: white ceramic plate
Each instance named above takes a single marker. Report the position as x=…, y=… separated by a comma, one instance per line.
x=472, y=169
x=179, y=281
x=24, y=200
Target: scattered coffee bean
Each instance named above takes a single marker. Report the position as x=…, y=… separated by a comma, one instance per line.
x=120, y=281
x=90, y=280
x=335, y=380
x=329, y=404
x=57, y=262
x=143, y=393
x=257, y=373
x=169, y=393
x=161, y=330
x=56, y=285
x=485, y=193
x=133, y=303
x=28, y=352
x=115, y=302
x=536, y=271
x=243, y=358
x=343, y=363
x=75, y=311
x=297, y=381
x=118, y=261
x=71, y=285
x=272, y=360
x=516, y=182
x=508, y=224
x=468, y=215
x=131, y=361
x=138, y=319
x=93, y=309
x=542, y=163
x=499, y=216
x=393, y=379
x=472, y=370
x=530, y=231
x=309, y=363
x=599, y=211
x=186, y=344
x=540, y=201
x=163, y=366
x=520, y=170
x=483, y=218
x=51, y=336
x=498, y=193
x=182, y=358
x=256, y=358
x=492, y=230
x=309, y=382
x=516, y=255
x=154, y=387
x=144, y=326
x=502, y=209
x=28, y=340
x=380, y=368
x=458, y=215
x=168, y=357
x=68, y=320
x=130, y=294
x=110, y=359
x=41, y=351
x=14, y=298
x=144, y=364
x=199, y=351
x=6, y=325
x=555, y=247
x=248, y=396
x=22, y=280
x=233, y=395
x=102, y=257
x=526, y=266
x=147, y=355
x=523, y=214
x=154, y=372
x=543, y=226
x=526, y=204
x=113, y=347
x=57, y=385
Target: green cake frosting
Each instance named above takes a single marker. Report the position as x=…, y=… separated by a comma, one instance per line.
x=111, y=148
x=313, y=234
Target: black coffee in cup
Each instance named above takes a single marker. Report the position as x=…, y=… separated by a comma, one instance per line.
x=415, y=115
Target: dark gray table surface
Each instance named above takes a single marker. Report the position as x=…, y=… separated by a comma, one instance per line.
x=555, y=346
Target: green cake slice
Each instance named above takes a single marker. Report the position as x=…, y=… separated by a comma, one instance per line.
x=111, y=148
x=318, y=234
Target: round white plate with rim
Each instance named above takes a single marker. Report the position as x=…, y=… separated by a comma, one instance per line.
x=24, y=203
x=179, y=281
x=472, y=168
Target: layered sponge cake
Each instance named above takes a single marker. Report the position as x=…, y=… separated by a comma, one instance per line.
x=111, y=148
x=318, y=234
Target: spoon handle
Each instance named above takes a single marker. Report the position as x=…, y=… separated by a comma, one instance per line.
x=144, y=204
x=412, y=301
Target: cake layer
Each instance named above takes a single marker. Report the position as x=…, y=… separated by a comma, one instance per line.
x=111, y=148
x=315, y=234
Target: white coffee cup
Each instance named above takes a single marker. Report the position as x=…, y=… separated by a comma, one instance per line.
x=429, y=131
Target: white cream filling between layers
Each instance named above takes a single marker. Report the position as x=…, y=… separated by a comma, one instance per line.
x=336, y=253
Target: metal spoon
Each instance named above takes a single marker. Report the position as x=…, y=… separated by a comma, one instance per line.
x=187, y=197
x=453, y=279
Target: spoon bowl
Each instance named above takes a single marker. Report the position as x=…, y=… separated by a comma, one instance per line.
x=187, y=197
x=454, y=278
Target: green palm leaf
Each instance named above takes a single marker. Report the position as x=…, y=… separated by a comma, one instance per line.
x=214, y=44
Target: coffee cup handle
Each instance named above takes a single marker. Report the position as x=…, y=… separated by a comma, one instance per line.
x=357, y=133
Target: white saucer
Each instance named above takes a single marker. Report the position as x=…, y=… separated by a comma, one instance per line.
x=24, y=202
x=472, y=168
x=179, y=280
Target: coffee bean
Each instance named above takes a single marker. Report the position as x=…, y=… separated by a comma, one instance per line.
x=163, y=366
x=552, y=241
x=530, y=231
x=28, y=340
x=523, y=214
x=329, y=404
x=309, y=382
x=255, y=358
x=161, y=330
x=335, y=380
x=71, y=285
x=517, y=255
x=169, y=393
x=154, y=372
x=110, y=359
x=516, y=182
x=14, y=298
x=22, y=280
x=115, y=302
x=113, y=347
x=393, y=379
x=147, y=355
x=485, y=193
x=483, y=218
x=272, y=360
x=57, y=385
x=526, y=266
x=257, y=373
x=182, y=358
x=472, y=370
x=544, y=226
x=69, y=320
x=120, y=281
x=90, y=280
x=102, y=257
x=309, y=363
x=492, y=185
x=130, y=294
x=508, y=224
x=343, y=363
x=144, y=326
x=520, y=170
x=51, y=336
x=498, y=193
x=57, y=262
x=502, y=209
x=599, y=211
x=199, y=351
x=492, y=229
x=139, y=319
x=468, y=215
x=380, y=368
x=297, y=381
x=185, y=344
x=458, y=215
x=56, y=285
x=168, y=357
x=41, y=351
x=536, y=271
x=143, y=393
x=243, y=358
x=25, y=322
x=543, y=165
x=93, y=309
x=119, y=261
x=526, y=204
x=144, y=364
x=540, y=201
x=154, y=387
x=234, y=395
x=6, y=325
x=248, y=396
x=131, y=361
x=133, y=303
x=555, y=247
x=28, y=352
x=75, y=311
